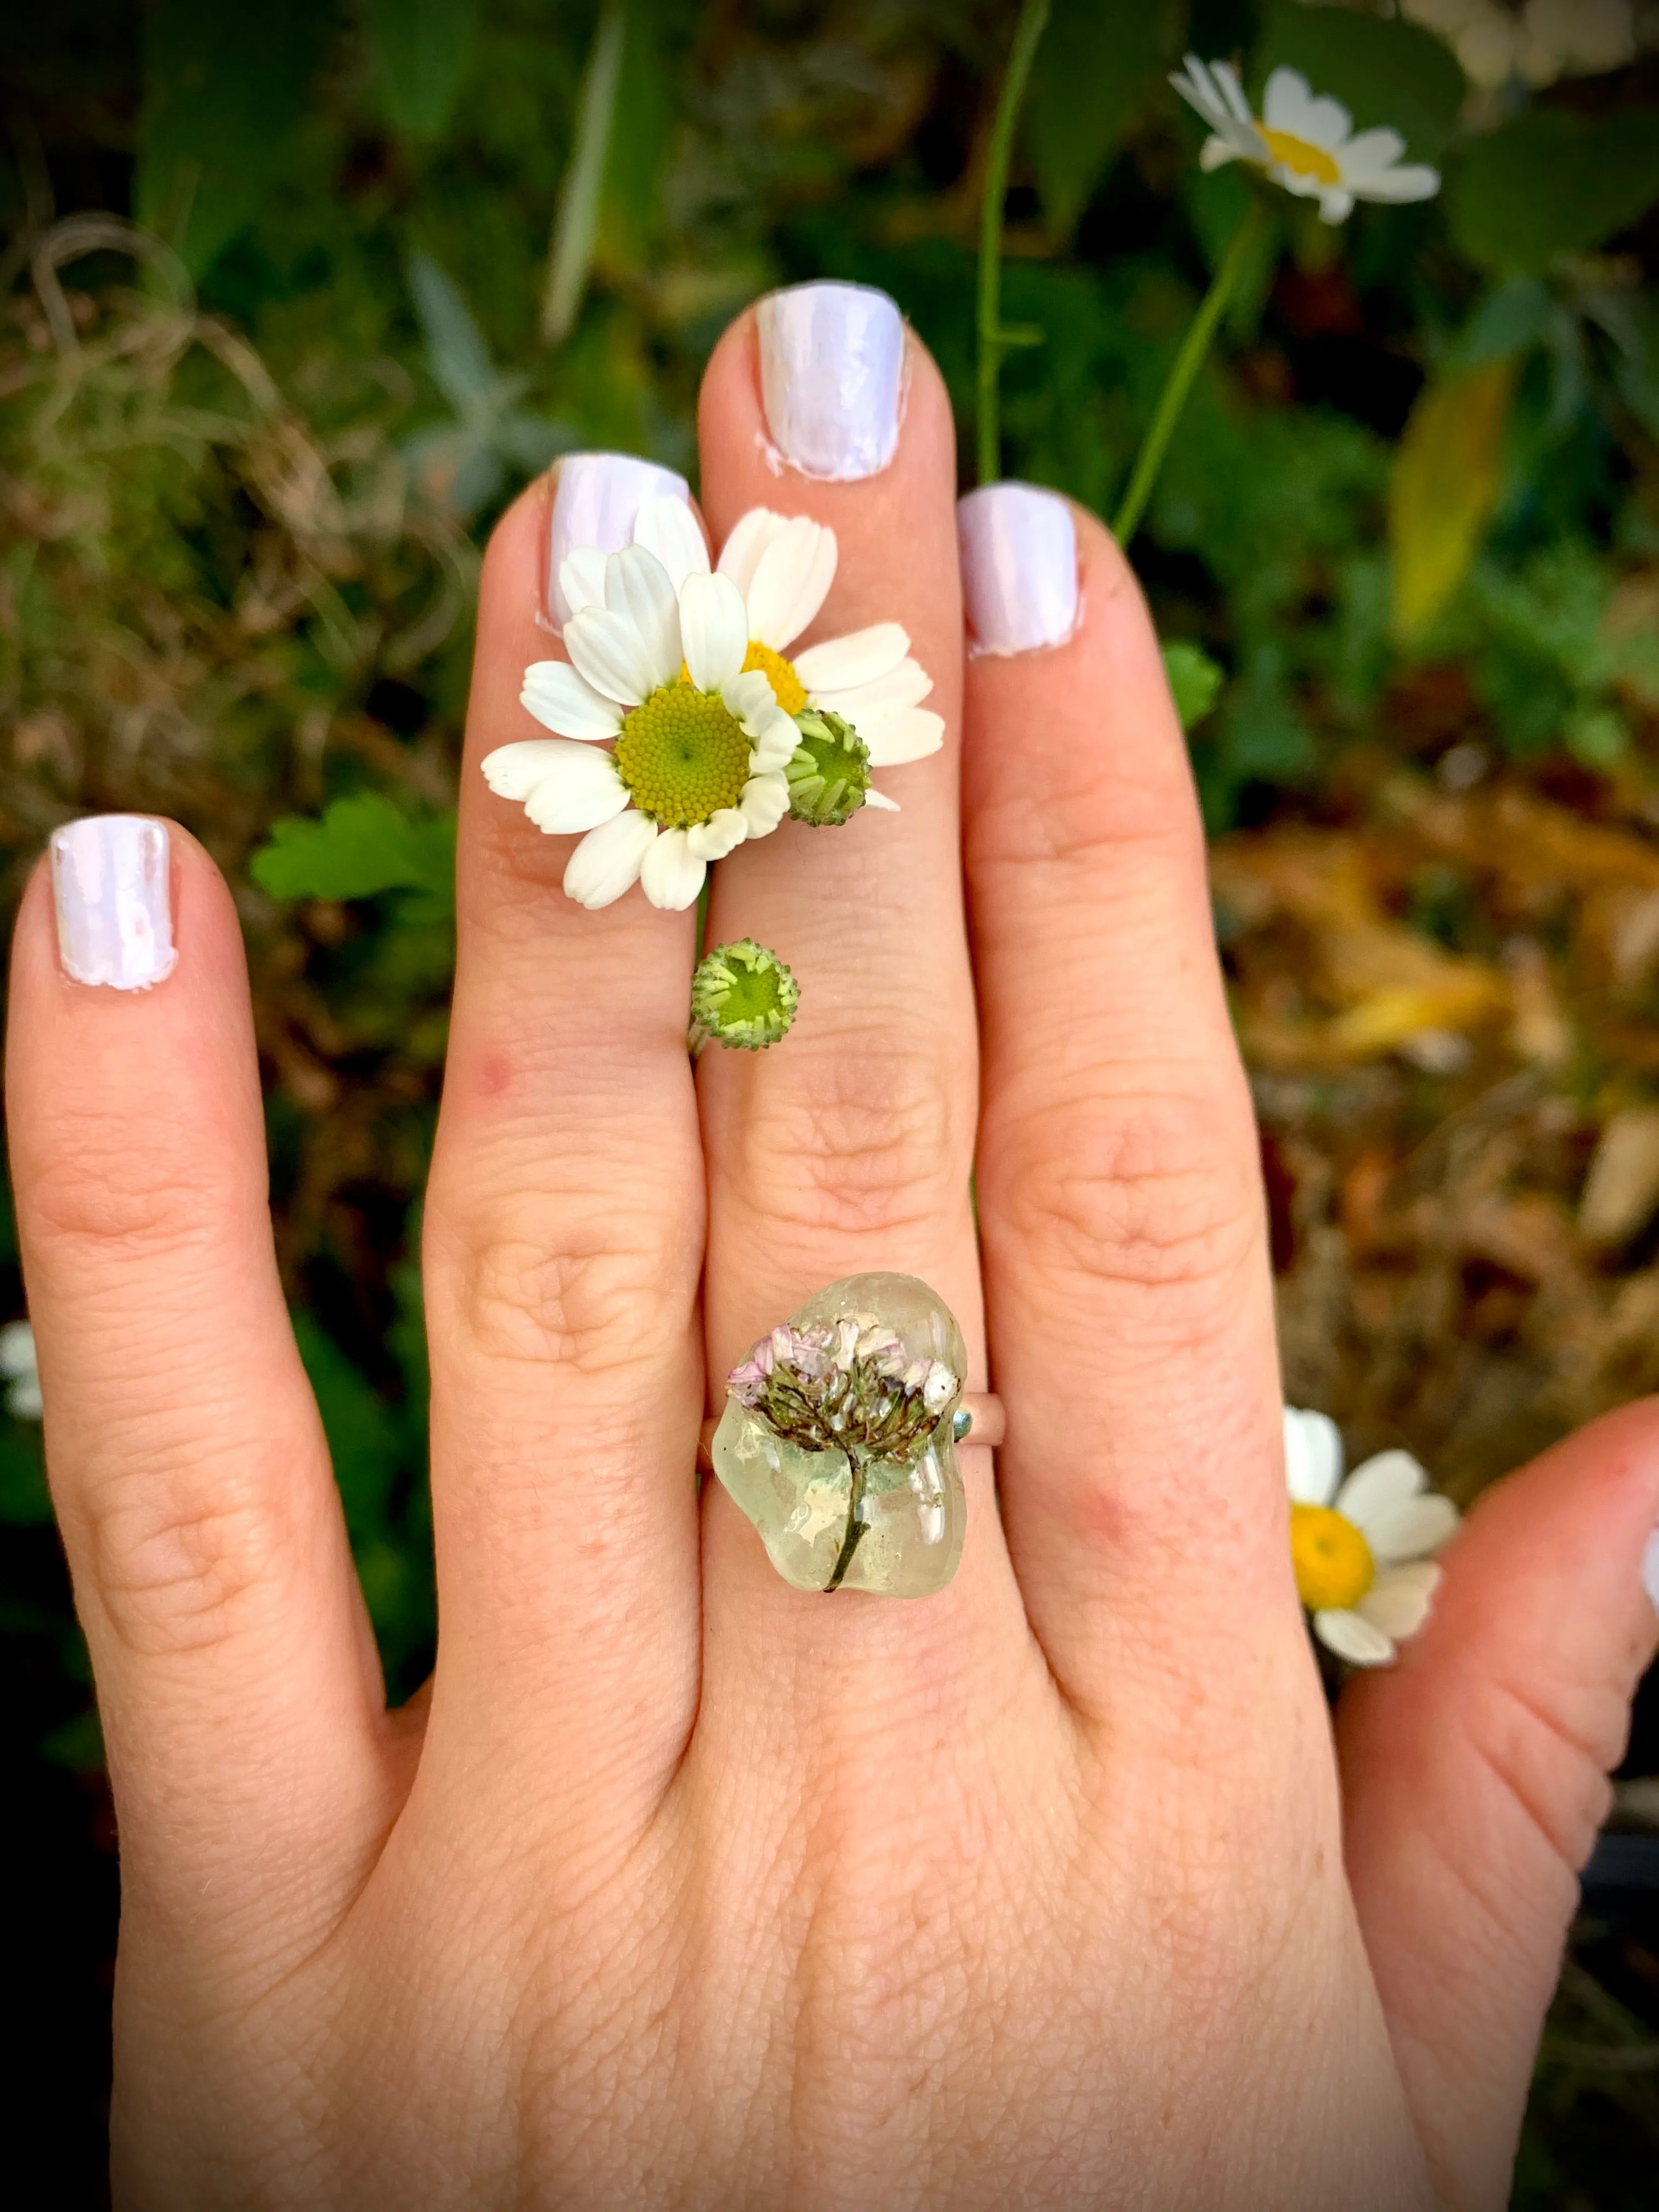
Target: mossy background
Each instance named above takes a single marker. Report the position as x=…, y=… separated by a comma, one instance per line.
x=250, y=448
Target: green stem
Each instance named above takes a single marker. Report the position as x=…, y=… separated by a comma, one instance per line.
x=992, y=339
x=856, y=1523
x=1188, y=363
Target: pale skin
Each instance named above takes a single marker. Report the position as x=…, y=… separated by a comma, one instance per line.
x=677, y=1887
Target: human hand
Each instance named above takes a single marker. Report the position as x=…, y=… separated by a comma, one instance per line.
x=680, y=1888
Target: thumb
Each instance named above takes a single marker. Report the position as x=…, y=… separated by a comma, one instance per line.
x=1474, y=1780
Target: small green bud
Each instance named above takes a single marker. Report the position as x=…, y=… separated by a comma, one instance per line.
x=742, y=995
x=829, y=773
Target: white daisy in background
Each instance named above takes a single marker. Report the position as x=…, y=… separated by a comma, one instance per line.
x=699, y=745
x=1362, y=1549
x=784, y=566
x=1305, y=143
x=21, y=1369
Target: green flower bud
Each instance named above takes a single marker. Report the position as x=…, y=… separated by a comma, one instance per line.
x=829, y=773
x=742, y=995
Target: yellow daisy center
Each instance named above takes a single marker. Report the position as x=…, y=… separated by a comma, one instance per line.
x=1301, y=159
x=684, y=755
x=786, y=687
x=1333, y=1561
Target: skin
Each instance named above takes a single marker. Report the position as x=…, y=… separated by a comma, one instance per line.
x=677, y=1887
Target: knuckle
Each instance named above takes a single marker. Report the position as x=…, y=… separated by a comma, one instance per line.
x=177, y=1558
x=856, y=1143
x=540, y=1283
x=104, y=1192
x=1152, y=1193
x=1550, y=1752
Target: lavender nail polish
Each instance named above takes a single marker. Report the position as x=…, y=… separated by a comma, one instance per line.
x=595, y=498
x=832, y=368
x=1019, y=552
x=111, y=886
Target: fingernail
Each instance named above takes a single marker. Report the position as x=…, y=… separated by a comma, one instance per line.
x=595, y=498
x=1018, y=549
x=832, y=363
x=1651, y=1569
x=111, y=886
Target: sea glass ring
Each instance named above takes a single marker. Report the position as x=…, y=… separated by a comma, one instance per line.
x=838, y=1439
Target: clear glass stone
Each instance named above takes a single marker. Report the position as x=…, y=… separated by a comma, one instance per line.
x=914, y=1512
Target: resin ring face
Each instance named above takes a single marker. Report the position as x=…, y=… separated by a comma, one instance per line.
x=838, y=1441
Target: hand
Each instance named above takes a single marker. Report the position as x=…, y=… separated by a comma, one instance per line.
x=679, y=1887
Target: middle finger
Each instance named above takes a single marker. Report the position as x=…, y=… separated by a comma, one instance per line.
x=848, y=1147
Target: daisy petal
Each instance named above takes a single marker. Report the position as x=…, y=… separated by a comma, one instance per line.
x=581, y=578
x=790, y=580
x=906, y=685
x=774, y=747
x=751, y=697
x=670, y=874
x=607, y=861
x=1215, y=153
x=581, y=789
x=879, y=800
x=1414, y=1530
x=1398, y=1603
x=668, y=528
x=1354, y=1639
x=638, y=588
x=714, y=630
x=514, y=771
x=860, y=656
x=1335, y=206
x=724, y=830
x=763, y=802
x=1389, y=1479
x=1313, y=1456
x=1414, y=181
x=557, y=697
x=751, y=534
x=1370, y=153
x=609, y=652
x=902, y=734
x=1224, y=79
x=1288, y=105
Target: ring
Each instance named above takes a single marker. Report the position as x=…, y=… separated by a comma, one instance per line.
x=838, y=1440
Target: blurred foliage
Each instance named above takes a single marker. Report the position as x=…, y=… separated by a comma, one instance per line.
x=295, y=300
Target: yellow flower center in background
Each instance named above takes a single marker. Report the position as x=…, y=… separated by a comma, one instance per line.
x=786, y=687
x=1333, y=1561
x=1301, y=159
x=684, y=755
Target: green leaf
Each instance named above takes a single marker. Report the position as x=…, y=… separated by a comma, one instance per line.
x=361, y=846
x=363, y=1432
x=1092, y=69
x=1550, y=184
x=575, y=226
x=1195, y=680
x=223, y=87
x=421, y=48
x=455, y=351
x=1445, y=481
x=1383, y=72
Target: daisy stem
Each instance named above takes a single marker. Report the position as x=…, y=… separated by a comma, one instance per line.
x=994, y=339
x=1186, y=364
x=856, y=1523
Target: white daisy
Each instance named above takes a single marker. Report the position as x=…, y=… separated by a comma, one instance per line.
x=1362, y=1549
x=784, y=566
x=700, y=746
x=1306, y=143
x=21, y=1370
